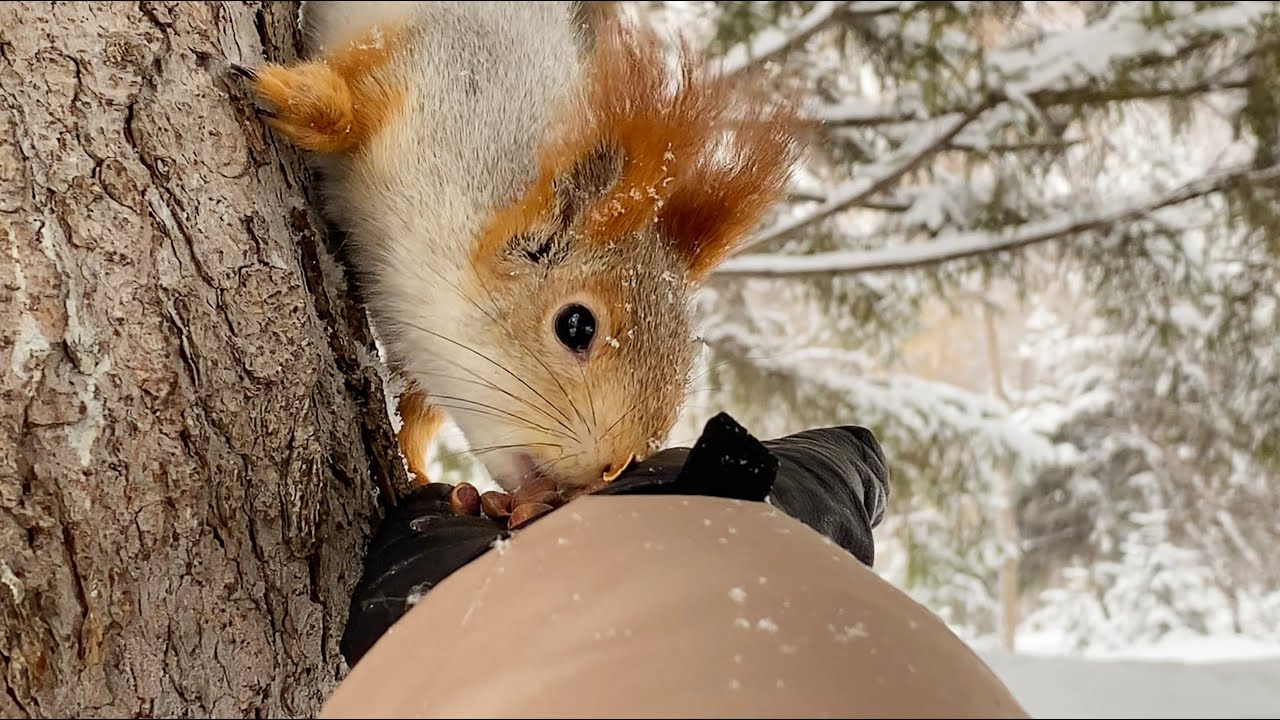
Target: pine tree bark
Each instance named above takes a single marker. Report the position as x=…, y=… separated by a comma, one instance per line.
x=191, y=431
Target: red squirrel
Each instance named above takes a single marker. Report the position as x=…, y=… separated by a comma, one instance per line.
x=531, y=200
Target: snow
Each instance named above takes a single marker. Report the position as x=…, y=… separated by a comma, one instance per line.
x=1071, y=688
x=926, y=406
x=1185, y=648
x=501, y=545
x=872, y=178
x=772, y=41
x=960, y=244
x=865, y=111
x=1068, y=57
x=14, y=584
x=1179, y=676
x=82, y=434
x=30, y=341
x=1052, y=688
x=849, y=632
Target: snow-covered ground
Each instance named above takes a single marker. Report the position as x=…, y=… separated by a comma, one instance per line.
x=1230, y=677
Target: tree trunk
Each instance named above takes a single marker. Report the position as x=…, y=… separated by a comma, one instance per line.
x=191, y=429
x=1006, y=502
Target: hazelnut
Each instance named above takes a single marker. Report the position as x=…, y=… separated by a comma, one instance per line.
x=527, y=513
x=546, y=497
x=496, y=505
x=536, y=487
x=465, y=500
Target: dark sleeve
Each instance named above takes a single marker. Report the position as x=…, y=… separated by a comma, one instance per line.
x=834, y=480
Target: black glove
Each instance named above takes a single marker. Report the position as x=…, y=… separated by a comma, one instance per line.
x=832, y=479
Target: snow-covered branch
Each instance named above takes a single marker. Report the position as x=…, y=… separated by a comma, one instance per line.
x=1076, y=67
x=907, y=409
x=1072, y=58
x=954, y=246
x=774, y=42
x=874, y=179
x=1032, y=81
x=867, y=114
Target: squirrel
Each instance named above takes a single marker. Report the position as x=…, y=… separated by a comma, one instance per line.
x=532, y=192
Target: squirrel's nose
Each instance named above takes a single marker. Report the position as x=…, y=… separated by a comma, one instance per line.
x=614, y=469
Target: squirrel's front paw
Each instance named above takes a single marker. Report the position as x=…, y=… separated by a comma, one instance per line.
x=420, y=421
x=332, y=104
x=309, y=103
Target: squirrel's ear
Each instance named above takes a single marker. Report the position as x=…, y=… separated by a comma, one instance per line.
x=721, y=197
x=331, y=105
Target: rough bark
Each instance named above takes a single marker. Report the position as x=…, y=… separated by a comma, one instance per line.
x=190, y=432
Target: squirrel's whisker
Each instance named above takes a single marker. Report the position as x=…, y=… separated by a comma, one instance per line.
x=486, y=413
x=496, y=448
x=621, y=415
x=507, y=329
x=504, y=391
x=545, y=466
x=500, y=367
x=512, y=446
x=500, y=414
x=586, y=384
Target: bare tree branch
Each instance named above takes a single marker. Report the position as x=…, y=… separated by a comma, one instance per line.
x=968, y=244
x=772, y=43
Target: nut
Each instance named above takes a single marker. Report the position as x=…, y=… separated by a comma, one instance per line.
x=527, y=513
x=465, y=500
x=536, y=487
x=546, y=497
x=496, y=505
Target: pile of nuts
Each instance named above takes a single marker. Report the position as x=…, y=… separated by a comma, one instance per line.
x=533, y=500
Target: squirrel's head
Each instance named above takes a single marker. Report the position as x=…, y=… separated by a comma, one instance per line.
x=652, y=176
x=600, y=341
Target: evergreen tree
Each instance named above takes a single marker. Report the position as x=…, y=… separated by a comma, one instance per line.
x=1113, y=161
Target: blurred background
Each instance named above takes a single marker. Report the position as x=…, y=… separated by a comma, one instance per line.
x=1035, y=248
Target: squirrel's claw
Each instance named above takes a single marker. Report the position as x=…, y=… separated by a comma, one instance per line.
x=243, y=71
x=252, y=75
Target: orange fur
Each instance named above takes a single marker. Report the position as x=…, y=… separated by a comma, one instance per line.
x=715, y=204
x=420, y=422
x=336, y=103
x=704, y=157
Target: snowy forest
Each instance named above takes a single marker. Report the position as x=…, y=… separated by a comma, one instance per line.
x=1035, y=248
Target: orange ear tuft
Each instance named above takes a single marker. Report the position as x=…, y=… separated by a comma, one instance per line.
x=666, y=143
x=705, y=155
x=716, y=201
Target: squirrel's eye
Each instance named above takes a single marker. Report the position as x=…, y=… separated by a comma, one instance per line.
x=575, y=326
